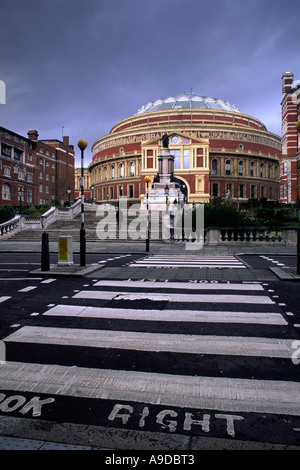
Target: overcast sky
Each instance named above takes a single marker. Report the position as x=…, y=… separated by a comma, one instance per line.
x=77, y=67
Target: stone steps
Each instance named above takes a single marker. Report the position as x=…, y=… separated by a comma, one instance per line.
x=72, y=227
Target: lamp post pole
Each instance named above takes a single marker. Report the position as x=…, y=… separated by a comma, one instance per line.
x=20, y=198
x=147, y=180
x=82, y=144
x=92, y=188
x=69, y=190
x=167, y=194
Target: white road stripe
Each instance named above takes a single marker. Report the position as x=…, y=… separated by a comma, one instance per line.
x=228, y=261
x=180, y=285
x=190, y=265
x=4, y=297
x=158, y=342
x=269, y=318
x=211, y=393
x=27, y=289
x=169, y=297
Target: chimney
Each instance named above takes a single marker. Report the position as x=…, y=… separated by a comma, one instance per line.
x=287, y=81
x=66, y=140
x=33, y=135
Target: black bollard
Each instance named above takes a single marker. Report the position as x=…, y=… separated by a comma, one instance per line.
x=82, y=246
x=45, y=262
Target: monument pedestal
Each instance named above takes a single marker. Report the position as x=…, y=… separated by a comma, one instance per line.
x=157, y=198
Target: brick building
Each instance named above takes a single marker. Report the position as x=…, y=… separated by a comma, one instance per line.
x=34, y=172
x=290, y=160
x=218, y=151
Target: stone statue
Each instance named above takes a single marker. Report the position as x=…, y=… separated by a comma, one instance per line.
x=165, y=140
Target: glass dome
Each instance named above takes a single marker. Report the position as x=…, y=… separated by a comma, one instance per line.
x=188, y=101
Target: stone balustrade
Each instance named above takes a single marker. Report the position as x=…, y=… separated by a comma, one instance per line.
x=9, y=228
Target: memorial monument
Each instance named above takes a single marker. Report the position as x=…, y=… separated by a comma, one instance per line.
x=165, y=192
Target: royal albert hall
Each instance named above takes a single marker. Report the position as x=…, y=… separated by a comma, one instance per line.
x=218, y=151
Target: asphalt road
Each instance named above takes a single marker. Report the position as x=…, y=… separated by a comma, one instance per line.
x=158, y=363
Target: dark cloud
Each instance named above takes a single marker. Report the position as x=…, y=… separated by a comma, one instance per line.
x=87, y=64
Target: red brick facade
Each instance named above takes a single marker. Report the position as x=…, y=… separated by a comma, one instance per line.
x=217, y=152
x=289, y=164
x=34, y=171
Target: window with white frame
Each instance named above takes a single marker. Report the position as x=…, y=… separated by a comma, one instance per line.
x=6, y=171
x=6, y=195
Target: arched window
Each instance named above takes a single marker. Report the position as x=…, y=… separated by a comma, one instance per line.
x=132, y=169
x=228, y=167
x=121, y=170
x=214, y=167
x=261, y=170
x=240, y=168
x=112, y=171
x=252, y=169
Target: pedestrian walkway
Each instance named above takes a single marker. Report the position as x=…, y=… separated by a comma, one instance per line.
x=175, y=362
x=189, y=261
x=155, y=247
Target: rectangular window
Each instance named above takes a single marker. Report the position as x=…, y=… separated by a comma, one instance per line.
x=215, y=189
x=6, y=192
x=29, y=195
x=186, y=159
x=5, y=150
x=17, y=155
x=21, y=174
x=6, y=171
x=130, y=190
x=176, y=154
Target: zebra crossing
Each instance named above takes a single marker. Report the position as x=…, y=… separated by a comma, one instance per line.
x=189, y=261
x=193, y=355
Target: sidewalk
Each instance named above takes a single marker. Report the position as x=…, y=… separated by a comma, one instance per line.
x=113, y=247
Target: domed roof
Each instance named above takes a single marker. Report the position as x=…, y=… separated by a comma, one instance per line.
x=188, y=101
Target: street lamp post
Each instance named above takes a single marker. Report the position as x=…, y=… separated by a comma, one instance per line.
x=92, y=188
x=20, y=191
x=82, y=144
x=167, y=194
x=69, y=190
x=147, y=180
